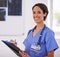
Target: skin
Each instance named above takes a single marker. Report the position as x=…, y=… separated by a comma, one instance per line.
x=24, y=54
x=50, y=54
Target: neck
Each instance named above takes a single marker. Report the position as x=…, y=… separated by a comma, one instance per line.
x=40, y=25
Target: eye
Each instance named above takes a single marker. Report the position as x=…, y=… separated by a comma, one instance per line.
x=34, y=12
x=39, y=12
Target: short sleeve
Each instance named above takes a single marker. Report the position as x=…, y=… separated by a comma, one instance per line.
x=51, y=43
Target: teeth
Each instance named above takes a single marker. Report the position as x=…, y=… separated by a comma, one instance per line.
x=36, y=18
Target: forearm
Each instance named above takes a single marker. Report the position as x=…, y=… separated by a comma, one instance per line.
x=50, y=54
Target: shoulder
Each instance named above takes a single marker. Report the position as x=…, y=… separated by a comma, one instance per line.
x=31, y=30
x=49, y=31
x=49, y=34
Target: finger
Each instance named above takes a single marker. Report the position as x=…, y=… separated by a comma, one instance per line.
x=11, y=40
x=23, y=52
x=14, y=42
x=20, y=52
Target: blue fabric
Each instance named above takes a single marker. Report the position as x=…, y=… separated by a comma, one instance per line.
x=48, y=43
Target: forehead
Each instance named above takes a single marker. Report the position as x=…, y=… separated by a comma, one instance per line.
x=37, y=8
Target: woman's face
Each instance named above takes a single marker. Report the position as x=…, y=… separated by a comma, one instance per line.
x=38, y=14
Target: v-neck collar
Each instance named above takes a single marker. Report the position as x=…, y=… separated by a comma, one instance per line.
x=38, y=33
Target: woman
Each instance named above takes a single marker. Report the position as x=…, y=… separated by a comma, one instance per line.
x=40, y=41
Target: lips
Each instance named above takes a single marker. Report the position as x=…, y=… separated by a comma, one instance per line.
x=36, y=18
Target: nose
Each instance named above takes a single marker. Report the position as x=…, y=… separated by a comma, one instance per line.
x=35, y=14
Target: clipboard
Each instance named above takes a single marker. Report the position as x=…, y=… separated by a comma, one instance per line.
x=14, y=48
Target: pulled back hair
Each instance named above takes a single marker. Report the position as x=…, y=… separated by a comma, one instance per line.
x=43, y=8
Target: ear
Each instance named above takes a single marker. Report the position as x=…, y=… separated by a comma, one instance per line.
x=45, y=14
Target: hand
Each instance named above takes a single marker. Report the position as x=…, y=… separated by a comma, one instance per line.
x=46, y=56
x=14, y=42
x=24, y=54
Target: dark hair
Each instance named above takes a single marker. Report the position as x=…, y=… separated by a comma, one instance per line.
x=43, y=7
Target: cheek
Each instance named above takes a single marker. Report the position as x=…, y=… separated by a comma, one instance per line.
x=38, y=17
x=33, y=16
x=41, y=17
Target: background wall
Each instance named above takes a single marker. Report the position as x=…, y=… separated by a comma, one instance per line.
x=16, y=27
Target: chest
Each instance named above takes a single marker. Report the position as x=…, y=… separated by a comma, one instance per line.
x=35, y=32
x=36, y=38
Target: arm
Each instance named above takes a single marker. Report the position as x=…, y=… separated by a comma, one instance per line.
x=24, y=54
x=50, y=54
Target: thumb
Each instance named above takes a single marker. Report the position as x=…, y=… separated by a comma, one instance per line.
x=20, y=52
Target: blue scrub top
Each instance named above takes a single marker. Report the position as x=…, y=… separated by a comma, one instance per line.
x=47, y=44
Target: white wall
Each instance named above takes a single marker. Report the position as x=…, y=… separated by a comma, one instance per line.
x=13, y=25
x=12, y=28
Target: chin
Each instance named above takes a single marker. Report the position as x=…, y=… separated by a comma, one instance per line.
x=37, y=22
